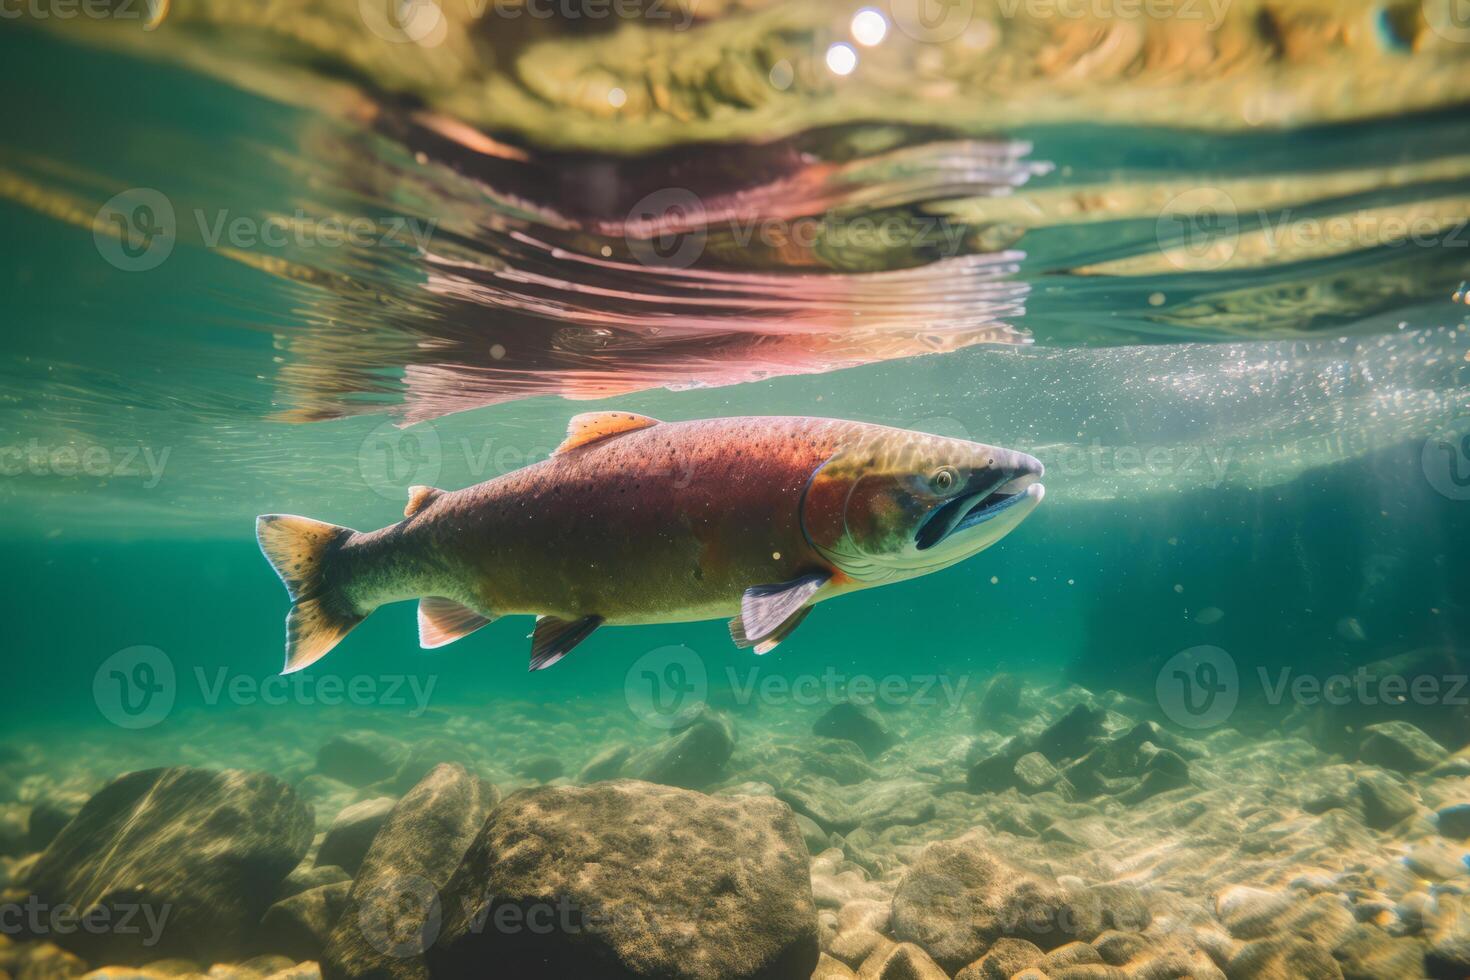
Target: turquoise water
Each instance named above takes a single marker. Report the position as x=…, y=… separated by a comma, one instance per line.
x=1256, y=425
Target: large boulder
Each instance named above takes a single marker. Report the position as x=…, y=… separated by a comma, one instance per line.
x=627, y=879
x=197, y=853
x=394, y=911
x=959, y=897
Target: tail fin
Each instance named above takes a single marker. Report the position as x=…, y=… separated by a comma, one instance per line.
x=300, y=550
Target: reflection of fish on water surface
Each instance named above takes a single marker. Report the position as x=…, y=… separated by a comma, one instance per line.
x=634, y=521
x=759, y=274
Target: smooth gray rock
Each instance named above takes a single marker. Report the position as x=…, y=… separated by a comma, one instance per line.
x=206, y=849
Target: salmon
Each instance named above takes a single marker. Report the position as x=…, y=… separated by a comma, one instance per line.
x=634, y=521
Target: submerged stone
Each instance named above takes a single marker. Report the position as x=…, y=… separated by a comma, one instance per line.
x=692, y=757
x=203, y=852
x=394, y=909
x=626, y=879
x=352, y=832
x=860, y=724
x=1400, y=746
x=298, y=926
x=361, y=758
x=960, y=896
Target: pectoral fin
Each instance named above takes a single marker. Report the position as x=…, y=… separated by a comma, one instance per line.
x=737, y=632
x=768, y=613
x=442, y=621
x=554, y=638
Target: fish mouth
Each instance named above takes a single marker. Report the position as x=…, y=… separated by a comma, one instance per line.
x=969, y=511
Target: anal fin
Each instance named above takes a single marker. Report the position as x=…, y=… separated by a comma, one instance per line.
x=442, y=621
x=554, y=638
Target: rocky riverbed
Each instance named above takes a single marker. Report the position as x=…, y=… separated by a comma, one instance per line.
x=1036, y=831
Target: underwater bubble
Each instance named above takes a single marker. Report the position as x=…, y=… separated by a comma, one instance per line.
x=869, y=27
x=841, y=58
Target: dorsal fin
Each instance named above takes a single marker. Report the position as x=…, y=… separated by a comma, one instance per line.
x=419, y=498
x=591, y=427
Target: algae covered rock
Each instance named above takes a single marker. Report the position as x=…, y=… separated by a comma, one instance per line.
x=627, y=879
x=394, y=911
x=198, y=853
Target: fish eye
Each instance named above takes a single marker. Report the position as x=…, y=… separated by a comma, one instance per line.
x=945, y=479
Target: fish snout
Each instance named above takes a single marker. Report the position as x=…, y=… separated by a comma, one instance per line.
x=1016, y=471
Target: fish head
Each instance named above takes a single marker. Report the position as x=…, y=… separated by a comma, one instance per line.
x=893, y=504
